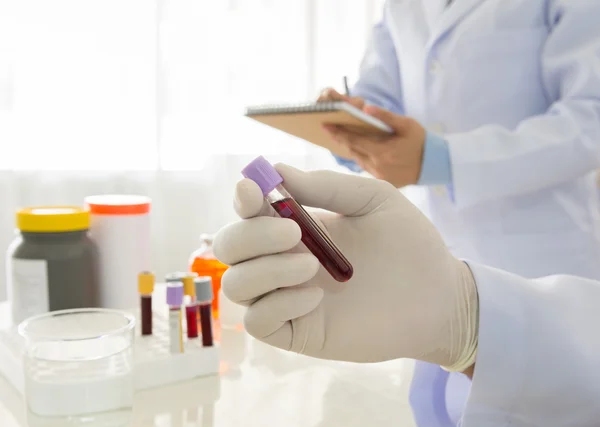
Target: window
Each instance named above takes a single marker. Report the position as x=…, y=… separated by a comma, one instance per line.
x=141, y=84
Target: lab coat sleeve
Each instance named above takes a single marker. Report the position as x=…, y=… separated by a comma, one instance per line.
x=379, y=80
x=436, y=162
x=493, y=162
x=436, y=167
x=539, y=347
x=347, y=163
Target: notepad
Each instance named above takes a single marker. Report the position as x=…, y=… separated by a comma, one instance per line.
x=305, y=121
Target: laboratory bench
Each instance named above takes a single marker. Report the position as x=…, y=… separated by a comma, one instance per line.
x=261, y=386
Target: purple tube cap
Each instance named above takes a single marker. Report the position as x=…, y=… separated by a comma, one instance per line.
x=174, y=293
x=263, y=173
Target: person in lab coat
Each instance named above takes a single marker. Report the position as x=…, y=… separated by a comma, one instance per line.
x=531, y=346
x=495, y=106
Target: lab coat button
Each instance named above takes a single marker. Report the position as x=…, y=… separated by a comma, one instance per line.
x=435, y=67
x=439, y=190
x=438, y=128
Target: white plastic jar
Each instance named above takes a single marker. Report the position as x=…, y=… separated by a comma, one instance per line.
x=120, y=228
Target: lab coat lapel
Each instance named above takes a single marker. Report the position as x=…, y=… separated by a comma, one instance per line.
x=432, y=9
x=454, y=13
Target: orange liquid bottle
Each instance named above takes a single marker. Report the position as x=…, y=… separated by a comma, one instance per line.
x=204, y=263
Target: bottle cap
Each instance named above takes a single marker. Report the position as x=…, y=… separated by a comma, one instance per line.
x=118, y=204
x=145, y=283
x=177, y=276
x=204, y=291
x=188, y=284
x=208, y=238
x=53, y=219
x=263, y=173
x=174, y=293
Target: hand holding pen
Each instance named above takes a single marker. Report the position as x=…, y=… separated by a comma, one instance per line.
x=330, y=94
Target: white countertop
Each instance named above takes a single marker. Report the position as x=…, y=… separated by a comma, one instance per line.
x=261, y=386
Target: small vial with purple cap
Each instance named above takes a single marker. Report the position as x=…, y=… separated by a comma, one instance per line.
x=313, y=237
x=175, y=301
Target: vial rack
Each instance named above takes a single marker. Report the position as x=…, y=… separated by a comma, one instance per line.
x=153, y=366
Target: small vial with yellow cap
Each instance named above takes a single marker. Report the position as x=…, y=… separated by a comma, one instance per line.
x=146, y=288
x=191, y=308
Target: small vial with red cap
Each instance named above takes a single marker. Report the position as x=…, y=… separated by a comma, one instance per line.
x=174, y=301
x=313, y=236
x=204, y=298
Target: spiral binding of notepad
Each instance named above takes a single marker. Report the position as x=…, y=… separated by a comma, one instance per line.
x=309, y=107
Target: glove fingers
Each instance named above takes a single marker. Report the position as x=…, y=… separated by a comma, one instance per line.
x=345, y=194
x=249, y=201
x=268, y=319
x=245, y=282
x=255, y=237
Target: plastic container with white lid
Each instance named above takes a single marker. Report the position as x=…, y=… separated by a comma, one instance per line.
x=120, y=228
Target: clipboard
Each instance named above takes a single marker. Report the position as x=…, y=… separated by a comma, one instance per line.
x=305, y=121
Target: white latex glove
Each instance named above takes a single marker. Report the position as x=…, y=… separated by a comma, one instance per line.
x=408, y=298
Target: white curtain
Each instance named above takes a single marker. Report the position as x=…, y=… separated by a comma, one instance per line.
x=145, y=96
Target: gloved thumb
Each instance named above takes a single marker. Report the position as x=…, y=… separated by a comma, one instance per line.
x=348, y=195
x=249, y=202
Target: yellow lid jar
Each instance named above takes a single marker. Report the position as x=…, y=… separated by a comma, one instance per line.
x=51, y=262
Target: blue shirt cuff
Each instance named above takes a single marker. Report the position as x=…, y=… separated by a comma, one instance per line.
x=350, y=164
x=436, y=168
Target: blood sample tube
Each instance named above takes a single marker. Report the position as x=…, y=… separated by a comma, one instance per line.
x=174, y=301
x=204, y=297
x=191, y=307
x=313, y=237
x=145, y=289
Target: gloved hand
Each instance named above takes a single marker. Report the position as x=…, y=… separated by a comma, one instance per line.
x=408, y=298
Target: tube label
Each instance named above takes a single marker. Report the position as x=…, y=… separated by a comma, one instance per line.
x=175, y=332
x=28, y=288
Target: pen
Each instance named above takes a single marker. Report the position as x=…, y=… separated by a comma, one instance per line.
x=346, y=88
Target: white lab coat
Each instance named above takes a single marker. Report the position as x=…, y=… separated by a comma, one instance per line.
x=537, y=362
x=514, y=87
